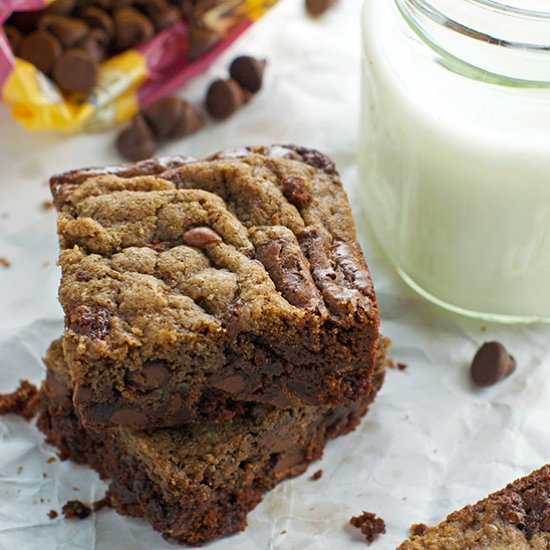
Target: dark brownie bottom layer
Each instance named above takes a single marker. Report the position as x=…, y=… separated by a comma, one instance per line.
x=195, y=483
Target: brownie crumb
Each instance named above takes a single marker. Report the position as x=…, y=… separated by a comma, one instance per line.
x=100, y=504
x=418, y=529
x=74, y=509
x=52, y=514
x=23, y=401
x=47, y=205
x=4, y=262
x=51, y=459
x=317, y=475
x=44, y=475
x=19, y=469
x=370, y=525
x=402, y=366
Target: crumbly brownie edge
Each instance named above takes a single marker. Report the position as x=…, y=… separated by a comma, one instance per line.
x=517, y=516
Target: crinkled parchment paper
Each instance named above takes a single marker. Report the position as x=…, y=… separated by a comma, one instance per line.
x=431, y=442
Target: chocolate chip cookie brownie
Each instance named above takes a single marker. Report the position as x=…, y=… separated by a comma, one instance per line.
x=191, y=287
x=515, y=518
x=197, y=482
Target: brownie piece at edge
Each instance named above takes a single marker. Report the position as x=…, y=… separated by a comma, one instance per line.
x=516, y=517
x=216, y=282
x=198, y=482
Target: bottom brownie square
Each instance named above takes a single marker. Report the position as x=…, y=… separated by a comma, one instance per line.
x=195, y=483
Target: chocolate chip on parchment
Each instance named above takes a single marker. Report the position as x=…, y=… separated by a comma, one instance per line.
x=137, y=141
x=200, y=236
x=248, y=72
x=188, y=122
x=76, y=71
x=318, y=7
x=224, y=97
x=163, y=115
x=42, y=49
x=491, y=363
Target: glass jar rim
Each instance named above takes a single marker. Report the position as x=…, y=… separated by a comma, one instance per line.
x=485, y=39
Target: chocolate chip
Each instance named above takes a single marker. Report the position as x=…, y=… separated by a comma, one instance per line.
x=137, y=141
x=76, y=71
x=152, y=375
x=42, y=49
x=295, y=192
x=132, y=28
x=188, y=122
x=491, y=363
x=200, y=236
x=161, y=13
x=163, y=115
x=201, y=40
x=62, y=7
x=14, y=37
x=100, y=19
x=318, y=7
x=248, y=72
x=95, y=44
x=90, y=320
x=232, y=384
x=68, y=30
x=224, y=97
x=128, y=417
x=25, y=21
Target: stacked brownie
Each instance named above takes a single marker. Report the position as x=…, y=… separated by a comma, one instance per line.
x=220, y=327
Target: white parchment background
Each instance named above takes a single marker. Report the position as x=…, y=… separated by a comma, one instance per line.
x=431, y=443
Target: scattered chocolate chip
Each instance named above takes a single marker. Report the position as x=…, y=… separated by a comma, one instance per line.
x=42, y=49
x=68, y=30
x=248, y=72
x=99, y=19
x=52, y=514
x=22, y=402
x=76, y=71
x=224, y=97
x=418, y=529
x=491, y=363
x=90, y=320
x=161, y=13
x=295, y=192
x=370, y=525
x=201, y=40
x=4, y=262
x=14, y=37
x=95, y=44
x=318, y=7
x=317, y=475
x=200, y=236
x=188, y=122
x=62, y=7
x=153, y=375
x=137, y=142
x=132, y=28
x=163, y=115
x=74, y=509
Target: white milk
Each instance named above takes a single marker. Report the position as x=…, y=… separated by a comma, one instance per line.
x=455, y=175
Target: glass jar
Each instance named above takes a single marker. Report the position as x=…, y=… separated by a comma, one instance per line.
x=455, y=150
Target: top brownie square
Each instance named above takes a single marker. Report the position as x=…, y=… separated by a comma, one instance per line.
x=192, y=286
